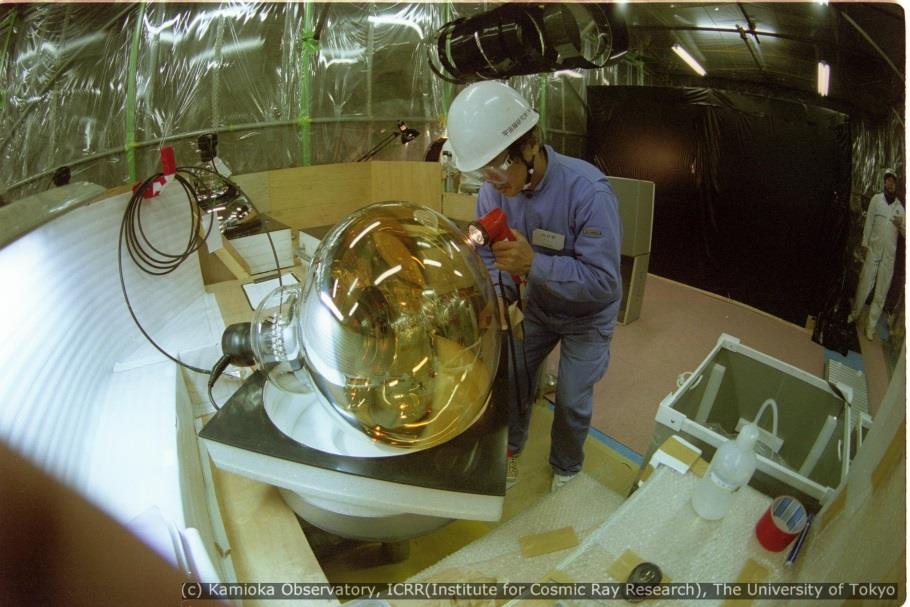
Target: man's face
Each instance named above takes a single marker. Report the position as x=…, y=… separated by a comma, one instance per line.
x=890, y=185
x=507, y=173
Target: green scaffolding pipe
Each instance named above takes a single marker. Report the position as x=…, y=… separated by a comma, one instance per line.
x=11, y=18
x=131, y=96
x=542, y=102
x=309, y=46
x=447, y=87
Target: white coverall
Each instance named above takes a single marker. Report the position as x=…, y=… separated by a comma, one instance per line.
x=880, y=239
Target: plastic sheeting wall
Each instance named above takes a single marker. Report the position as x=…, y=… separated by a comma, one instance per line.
x=875, y=147
x=101, y=87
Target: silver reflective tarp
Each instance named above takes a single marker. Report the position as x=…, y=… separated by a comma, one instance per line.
x=101, y=87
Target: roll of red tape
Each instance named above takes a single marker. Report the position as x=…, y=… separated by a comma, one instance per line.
x=781, y=523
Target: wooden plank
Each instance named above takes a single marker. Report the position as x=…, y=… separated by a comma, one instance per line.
x=256, y=187
x=268, y=544
x=830, y=511
x=116, y=191
x=324, y=194
x=318, y=195
x=417, y=182
x=894, y=454
x=752, y=572
x=232, y=303
x=213, y=270
x=459, y=206
x=547, y=542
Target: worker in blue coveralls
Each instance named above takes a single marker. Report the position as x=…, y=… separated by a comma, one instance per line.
x=565, y=220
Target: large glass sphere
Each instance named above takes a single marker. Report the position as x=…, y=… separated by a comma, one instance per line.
x=396, y=326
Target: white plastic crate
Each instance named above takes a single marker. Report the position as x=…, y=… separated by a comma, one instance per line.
x=731, y=384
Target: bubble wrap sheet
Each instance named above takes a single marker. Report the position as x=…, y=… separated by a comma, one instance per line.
x=659, y=525
x=583, y=504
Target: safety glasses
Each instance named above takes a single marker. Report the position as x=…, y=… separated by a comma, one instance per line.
x=497, y=171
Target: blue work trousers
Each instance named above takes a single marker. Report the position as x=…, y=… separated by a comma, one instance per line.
x=584, y=356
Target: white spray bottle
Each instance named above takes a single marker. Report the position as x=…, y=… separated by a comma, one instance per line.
x=732, y=467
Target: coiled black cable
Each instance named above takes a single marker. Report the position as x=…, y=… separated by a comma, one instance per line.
x=151, y=260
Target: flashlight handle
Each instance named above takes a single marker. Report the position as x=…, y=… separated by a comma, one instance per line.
x=506, y=234
x=518, y=280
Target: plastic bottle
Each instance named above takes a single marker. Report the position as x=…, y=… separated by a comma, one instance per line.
x=732, y=467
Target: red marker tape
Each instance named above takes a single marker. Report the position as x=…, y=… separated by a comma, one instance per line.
x=781, y=523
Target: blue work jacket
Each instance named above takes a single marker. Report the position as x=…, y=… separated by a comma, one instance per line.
x=580, y=280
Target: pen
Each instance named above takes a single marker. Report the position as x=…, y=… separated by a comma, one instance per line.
x=794, y=552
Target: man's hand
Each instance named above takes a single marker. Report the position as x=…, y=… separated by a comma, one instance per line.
x=513, y=256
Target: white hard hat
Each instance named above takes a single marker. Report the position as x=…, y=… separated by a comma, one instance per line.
x=889, y=171
x=484, y=119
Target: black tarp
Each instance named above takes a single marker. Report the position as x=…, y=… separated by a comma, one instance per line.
x=751, y=193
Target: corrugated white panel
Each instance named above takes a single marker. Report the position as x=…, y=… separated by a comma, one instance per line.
x=65, y=325
x=136, y=421
x=837, y=372
x=257, y=252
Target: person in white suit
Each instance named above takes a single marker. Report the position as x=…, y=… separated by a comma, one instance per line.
x=884, y=221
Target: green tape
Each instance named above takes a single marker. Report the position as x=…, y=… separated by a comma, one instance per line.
x=542, y=101
x=447, y=87
x=131, y=95
x=309, y=46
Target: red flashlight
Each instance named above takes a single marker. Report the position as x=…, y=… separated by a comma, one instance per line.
x=492, y=227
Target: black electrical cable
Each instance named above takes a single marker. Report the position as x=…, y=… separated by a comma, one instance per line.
x=144, y=254
x=151, y=260
x=127, y=235
x=524, y=353
x=215, y=373
x=522, y=405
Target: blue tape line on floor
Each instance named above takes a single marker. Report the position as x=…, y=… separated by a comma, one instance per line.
x=618, y=447
x=610, y=442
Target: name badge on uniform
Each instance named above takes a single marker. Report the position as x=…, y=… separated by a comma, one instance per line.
x=548, y=240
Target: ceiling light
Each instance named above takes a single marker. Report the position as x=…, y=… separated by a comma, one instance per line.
x=824, y=78
x=685, y=56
